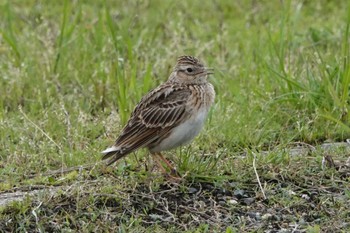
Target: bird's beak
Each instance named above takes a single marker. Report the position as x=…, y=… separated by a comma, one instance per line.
x=209, y=70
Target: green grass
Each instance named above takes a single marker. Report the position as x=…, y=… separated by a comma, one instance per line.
x=72, y=71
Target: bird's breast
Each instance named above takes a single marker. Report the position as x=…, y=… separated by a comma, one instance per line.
x=184, y=133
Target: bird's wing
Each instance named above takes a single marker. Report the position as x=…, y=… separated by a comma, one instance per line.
x=157, y=113
x=167, y=110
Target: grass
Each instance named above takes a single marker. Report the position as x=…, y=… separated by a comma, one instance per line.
x=72, y=71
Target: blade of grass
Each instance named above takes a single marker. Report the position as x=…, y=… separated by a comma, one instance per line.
x=61, y=36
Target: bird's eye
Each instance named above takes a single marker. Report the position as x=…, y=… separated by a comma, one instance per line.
x=189, y=70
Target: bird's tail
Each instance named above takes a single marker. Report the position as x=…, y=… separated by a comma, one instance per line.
x=112, y=154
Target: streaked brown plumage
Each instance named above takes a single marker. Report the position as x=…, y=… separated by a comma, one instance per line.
x=170, y=115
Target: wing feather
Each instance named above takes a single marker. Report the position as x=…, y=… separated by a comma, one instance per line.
x=167, y=112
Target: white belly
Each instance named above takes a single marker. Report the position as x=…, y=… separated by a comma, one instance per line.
x=184, y=133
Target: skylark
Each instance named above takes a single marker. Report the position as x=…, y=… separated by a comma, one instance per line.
x=170, y=115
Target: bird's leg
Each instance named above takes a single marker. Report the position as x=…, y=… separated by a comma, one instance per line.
x=173, y=171
x=159, y=164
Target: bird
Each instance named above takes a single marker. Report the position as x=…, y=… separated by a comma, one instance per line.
x=169, y=116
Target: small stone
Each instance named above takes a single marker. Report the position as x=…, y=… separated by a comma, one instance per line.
x=254, y=215
x=239, y=193
x=156, y=217
x=258, y=216
x=192, y=190
x=232, y=202
x=248, y=200
x=222, y=203
x=232, y=184
x=305, y=196
x=291, y=192
x=266, y=217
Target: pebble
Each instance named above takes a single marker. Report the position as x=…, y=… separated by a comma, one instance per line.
x=239, y=193
x=248, y=200
x=192, y=190
x=232, y=202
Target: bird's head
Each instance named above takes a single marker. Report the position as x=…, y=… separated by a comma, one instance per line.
x=189, y=69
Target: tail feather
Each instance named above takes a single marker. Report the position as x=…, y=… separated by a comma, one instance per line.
x=110, y=150
x=127, y=146
x=113, y=154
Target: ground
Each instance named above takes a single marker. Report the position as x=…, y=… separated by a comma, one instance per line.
x=274, y=153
